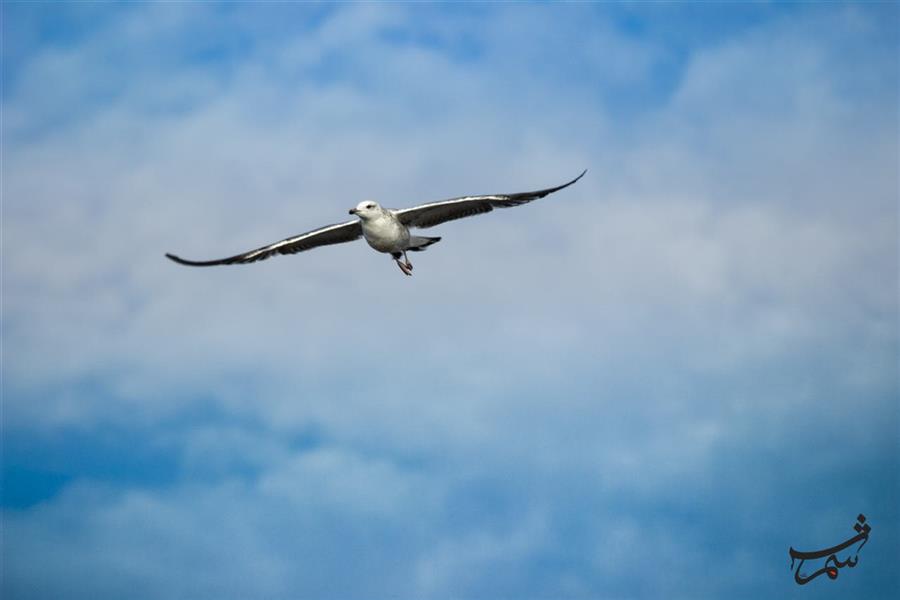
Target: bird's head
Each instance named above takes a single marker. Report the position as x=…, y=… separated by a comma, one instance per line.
x=366, y=209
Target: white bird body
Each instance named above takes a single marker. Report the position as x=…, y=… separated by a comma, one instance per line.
x=382, y=229
x=385, y=230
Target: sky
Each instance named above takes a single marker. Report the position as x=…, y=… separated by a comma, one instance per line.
x=649, y=385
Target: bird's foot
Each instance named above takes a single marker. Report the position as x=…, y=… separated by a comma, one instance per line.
x=406, y=268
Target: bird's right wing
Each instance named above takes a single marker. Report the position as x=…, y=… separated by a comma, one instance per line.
x=435, y=213
x=324, y=236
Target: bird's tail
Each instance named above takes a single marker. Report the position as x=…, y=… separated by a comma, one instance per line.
x=418, y=243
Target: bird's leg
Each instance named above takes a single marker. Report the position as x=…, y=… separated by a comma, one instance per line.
x=408, y=264
x=406, y=270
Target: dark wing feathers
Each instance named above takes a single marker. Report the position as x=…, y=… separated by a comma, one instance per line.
x=330, y=234
x=435, y=213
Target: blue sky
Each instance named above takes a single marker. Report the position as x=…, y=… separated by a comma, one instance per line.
x=649, y=385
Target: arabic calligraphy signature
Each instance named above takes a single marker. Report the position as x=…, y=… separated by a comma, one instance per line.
x=832, y=563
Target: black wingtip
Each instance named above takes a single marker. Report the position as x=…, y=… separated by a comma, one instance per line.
x=565, y=185
x=543, y=193
x=182, y=261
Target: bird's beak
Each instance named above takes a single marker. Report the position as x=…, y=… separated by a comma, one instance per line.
x=352, y=211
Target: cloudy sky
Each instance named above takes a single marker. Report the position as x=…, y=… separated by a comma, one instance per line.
x=650, y=385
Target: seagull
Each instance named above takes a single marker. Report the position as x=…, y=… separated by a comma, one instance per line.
x=385, y=229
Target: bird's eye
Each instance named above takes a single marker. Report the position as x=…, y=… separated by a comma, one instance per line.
x=370, y=206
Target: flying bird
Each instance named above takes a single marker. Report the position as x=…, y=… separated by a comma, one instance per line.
x=385, y=229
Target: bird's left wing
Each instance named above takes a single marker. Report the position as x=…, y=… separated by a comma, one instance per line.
x=323, y=236
x=435, y=213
